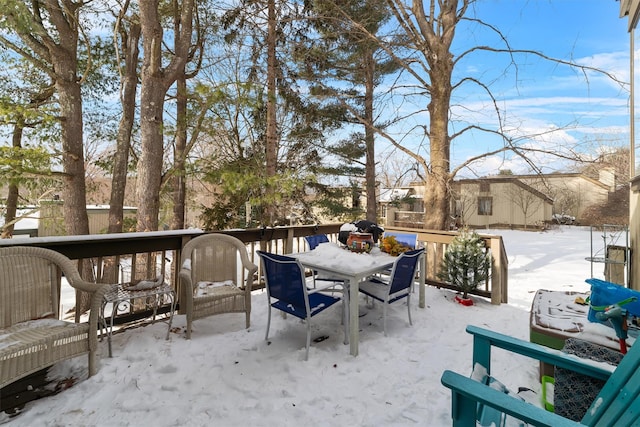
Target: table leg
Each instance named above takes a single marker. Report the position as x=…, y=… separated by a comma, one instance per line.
x=354, y=318
x=423, y=273
x=172, y=296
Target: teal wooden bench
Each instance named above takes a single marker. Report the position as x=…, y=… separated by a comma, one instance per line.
x=617, y=404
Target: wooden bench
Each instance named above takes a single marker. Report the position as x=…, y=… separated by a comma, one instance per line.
x=618, y=403
x=32, y=336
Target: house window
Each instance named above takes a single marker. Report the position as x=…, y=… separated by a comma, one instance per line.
x=485, y=205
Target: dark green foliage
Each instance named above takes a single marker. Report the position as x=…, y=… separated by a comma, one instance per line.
x=466, y=263
x=237, y=113
x=331, y=202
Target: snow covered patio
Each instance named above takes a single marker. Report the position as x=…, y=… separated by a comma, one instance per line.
x=227, y=375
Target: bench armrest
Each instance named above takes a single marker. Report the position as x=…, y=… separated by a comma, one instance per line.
x=468, y=393
x=484, y=339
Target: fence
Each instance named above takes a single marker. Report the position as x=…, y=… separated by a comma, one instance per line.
x=129, y=256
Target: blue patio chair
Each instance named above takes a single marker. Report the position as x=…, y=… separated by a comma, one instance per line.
x=313, y=241
x=399, y=285
x=287, y=291
x=616, y=405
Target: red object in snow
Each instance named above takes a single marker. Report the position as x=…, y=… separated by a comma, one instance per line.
x=464, y=301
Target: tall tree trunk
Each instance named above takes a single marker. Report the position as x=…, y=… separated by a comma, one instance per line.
x=151, y=118
x=11, y=204
x=64, y=58
x=65, y=62
x=438, y=185
x=10, y=212
x=129, y=86
x=369, y=137
x=177, y=184
x=272, y=128
x=436, y=52
x=151, y=158
x=75, y=200
x=57, y=56
x=156, y=80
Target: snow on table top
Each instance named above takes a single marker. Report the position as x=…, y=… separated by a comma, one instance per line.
x=340, y=258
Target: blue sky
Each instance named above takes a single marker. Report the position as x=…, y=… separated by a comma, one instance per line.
x=545, y=105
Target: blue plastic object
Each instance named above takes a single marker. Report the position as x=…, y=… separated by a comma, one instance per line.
x=605, y=294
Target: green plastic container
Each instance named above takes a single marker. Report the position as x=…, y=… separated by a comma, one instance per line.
x=547, y=392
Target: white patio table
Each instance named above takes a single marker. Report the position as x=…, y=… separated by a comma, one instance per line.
x=335, y=261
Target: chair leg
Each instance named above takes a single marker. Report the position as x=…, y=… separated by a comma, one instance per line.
x=384, y=317
x=266, y=335
x=173, y=309
x=189, y=321
x=306, y=356
x=409, y=308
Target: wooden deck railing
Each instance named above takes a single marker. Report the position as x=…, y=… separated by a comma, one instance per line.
x=435, y=242
x=97, y=253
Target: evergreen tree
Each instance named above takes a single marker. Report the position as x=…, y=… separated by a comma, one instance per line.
x=246, y=160
x=466, y=263
x=345, y=64
x=47, y=34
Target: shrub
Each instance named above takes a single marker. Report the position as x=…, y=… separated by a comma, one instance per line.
x=466, y=263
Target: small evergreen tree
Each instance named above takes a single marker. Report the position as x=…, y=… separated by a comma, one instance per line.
x=466, y=264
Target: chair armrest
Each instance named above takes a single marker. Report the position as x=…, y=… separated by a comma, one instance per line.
x=185, y=276
x=185, y=297
x=484, y=339
x=82, y=285
x=97, y=292
x=252, y=269
x=467, y=393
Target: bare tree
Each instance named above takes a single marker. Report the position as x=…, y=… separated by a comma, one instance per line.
x=177, y=174
x=464, y=204
x=527, y=201
x=127, y=38
x=430, y=28
x=156, y=81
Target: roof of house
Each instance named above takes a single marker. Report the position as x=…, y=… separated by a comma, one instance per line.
x=560, y=175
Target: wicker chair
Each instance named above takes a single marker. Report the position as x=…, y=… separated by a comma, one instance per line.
x=32, y=336
x=212, y=278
